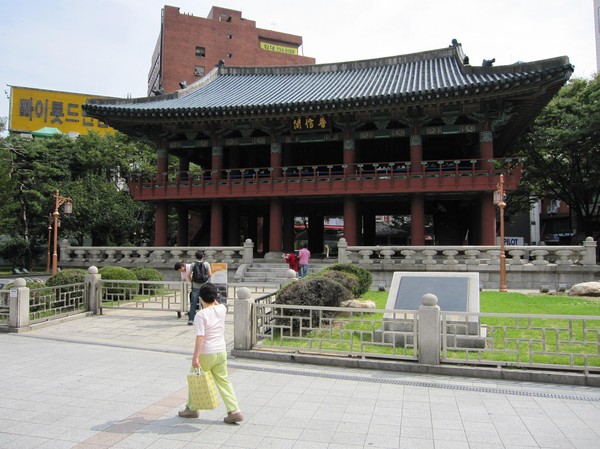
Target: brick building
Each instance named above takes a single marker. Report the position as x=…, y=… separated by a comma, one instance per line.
x=423, y=136
x=188, y=47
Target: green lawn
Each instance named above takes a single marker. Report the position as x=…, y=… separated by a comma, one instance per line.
x=496, y=302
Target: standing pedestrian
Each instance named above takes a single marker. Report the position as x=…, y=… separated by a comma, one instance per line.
x=199, y=275
x=303, y=258
x=210, y=352
x=184, y=271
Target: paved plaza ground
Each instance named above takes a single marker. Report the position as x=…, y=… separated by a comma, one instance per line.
x=117, y=381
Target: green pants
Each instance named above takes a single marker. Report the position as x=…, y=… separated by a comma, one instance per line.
x=217, y=365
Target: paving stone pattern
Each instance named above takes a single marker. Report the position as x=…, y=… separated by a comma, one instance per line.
x=118, y=380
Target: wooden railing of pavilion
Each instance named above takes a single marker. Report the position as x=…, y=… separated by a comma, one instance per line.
x=373, y=177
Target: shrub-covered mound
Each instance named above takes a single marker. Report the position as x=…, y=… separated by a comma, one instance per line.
x=67, y=276
x=147, y=274
x=345, y=279
x=315, y=291
x=365, y=279
x=116, y=291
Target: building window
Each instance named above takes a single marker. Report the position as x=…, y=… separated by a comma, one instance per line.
x=199, y=70
x=201, y=52
x=230, y=36
x=230, y=55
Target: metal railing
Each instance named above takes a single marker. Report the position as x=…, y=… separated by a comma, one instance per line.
x=162, y=296
x=339, y=331
x=4, y=308
x=47, y=303
x=526, y=341
x=154, y=296
x=566, y=342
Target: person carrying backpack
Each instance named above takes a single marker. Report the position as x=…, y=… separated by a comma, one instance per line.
x=199, y=275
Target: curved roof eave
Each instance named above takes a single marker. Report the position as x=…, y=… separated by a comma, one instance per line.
x=400, y=78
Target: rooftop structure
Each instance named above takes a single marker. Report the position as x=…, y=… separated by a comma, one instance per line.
x=423, y=135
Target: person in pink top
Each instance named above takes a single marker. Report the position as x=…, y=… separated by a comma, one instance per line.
x=303, y=257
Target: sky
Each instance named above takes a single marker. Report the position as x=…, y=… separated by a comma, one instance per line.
x=104, y=47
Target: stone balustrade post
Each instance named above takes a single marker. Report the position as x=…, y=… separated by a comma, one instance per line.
x=65, y=250
x=18, y=307
x=92, y=280
x=343, y=251
x=248, y=255
x=589, y=257
x=429, y=334
x=242, y=320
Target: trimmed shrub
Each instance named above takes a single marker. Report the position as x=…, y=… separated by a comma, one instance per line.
x=365, y=279
x=112, y=291
x=117, y=273
x=345, y=279
x=67, y=276
x=317, y=291
x=148, y=274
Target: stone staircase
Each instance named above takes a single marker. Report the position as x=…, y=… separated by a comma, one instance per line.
x=272, y=272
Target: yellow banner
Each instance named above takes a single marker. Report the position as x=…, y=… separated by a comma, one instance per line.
x=278, y=48
x=219, y=273
x=33, y=109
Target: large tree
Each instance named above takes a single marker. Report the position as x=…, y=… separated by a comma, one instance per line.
x=90, y=169
x=101, y=212
x=562, y=152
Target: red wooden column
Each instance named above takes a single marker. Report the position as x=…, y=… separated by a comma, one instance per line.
x=349, y=156
x=350, y=221
x=488, y=219
x=417, y=201
x=486, y=148
x=161, y=214
x=162, y=164
x=417, y=219
x=488, y=210
x=275, y=223
x=216, y=223
x=276, y=159
x=416, y=154
x=217, y=161
x=160, y=224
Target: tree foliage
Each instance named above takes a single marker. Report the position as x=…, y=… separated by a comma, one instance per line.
x=562, y=152
x=91, y=170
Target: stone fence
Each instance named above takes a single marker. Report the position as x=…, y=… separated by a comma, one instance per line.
x=527, y=267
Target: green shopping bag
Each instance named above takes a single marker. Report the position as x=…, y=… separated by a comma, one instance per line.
x=202, y=390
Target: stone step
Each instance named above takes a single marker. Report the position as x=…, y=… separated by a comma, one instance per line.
x=273, y=272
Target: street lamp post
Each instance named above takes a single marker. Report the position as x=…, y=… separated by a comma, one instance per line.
x=60, y=200
x=499, y=201
x=49, y=257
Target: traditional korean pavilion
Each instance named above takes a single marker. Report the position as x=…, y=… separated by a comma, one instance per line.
x=423, y=136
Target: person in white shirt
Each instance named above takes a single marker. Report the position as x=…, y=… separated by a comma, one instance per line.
x=184, y=270
x=210, y=352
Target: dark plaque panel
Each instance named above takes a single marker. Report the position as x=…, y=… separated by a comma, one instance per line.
x=452, y=292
